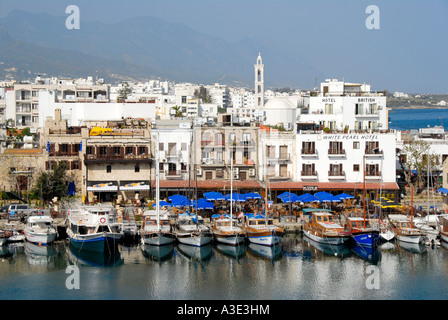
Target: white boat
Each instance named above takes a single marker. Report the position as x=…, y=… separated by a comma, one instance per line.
x=406, y=231
x=444, y=228
x=94, y=228
x=191, y=230
x=156, y=228
x=4, y=236
x=263, y=231
x=40, y=230
x=226, y=231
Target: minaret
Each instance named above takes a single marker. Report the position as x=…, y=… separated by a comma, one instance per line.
x=259, y=82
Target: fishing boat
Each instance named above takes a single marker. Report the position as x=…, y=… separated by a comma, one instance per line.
x=226, y=231
x=444, y=228
x=93, y=228
x=386, y=232
x=362, y=232
x=405, y=230
x=191, y=230
x=40, y=230
x=262, y=230
x=156, y=228
x=320, y=225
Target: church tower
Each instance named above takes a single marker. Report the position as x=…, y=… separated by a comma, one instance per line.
x=259, y=82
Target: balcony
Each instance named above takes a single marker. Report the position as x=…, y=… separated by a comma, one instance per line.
x=373, y=175
x=335, y=175
x=210, y=143
x=308, y=175
x=213, y=163
x=373, y=153
x=173, y=174
x=169, y=155
x=309, y=153
x=282, y=157
x=98, y=158
x=336, y=152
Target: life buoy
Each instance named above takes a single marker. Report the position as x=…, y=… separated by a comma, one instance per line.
x=103, y=220
x=221, y=217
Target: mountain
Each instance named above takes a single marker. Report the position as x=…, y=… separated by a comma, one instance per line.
x=141, y=48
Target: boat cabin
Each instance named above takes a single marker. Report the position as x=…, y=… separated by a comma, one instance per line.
x=357, y=223
x=225, y=223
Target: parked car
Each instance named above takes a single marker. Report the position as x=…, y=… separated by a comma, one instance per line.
x=20, y=210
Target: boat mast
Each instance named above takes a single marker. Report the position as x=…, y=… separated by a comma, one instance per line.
x=231, y=191
x=157, y=183
x=364, y=189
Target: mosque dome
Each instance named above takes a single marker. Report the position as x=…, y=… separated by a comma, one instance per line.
x=279, y=103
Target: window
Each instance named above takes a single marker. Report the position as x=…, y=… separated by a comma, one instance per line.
x=161, y=146
x=102, y=150
x=183, y=146
x=137, y=168
x=355, y=144
x=329, y=108
x=64, y=148
x=109, y=169
x=129, y=150
x=160, y=167
x=356, y=167
x=117, y=151
x=141, y=150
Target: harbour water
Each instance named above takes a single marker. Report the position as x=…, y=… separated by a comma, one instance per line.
x=407, y=119
x=298, y=269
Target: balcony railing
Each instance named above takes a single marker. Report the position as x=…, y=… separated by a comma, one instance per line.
x=116, y=157
x=336, y=152
x=173, y=174
x=373, y=152
x=336, y=174
x=373, y=174
x=308, y=173
x=206, y=143
x=213, y=162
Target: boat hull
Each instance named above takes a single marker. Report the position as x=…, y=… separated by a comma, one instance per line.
x=266, y=238
x=387, y=235
x=229, y=239
x=444, y=236
x=410, y=239
x=368, y=239
x=40, y=239
x=158, y=238
x=334, y=240
x=192, y=239
x=103, y=242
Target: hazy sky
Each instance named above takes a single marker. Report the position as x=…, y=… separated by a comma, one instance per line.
x=408, y=53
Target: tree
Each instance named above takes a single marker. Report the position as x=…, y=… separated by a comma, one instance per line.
x=178, y=111
x=125, y=91
x=417, y=160
x=202, y=93
x=52, y=184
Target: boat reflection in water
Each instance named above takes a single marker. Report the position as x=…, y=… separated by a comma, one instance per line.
x=236, y=252
x=329, y=249
x=413, y=247
x=92, y=258
x=268, y=252
x=39, y=254
x=158, y=253
x=371, y=254
x=202, y=253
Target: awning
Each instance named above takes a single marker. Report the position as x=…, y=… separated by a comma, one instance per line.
x=134, y=185
x=102, y=186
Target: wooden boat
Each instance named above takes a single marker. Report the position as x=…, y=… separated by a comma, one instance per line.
x=4, y=236
x=406, y=231
x=226, y=231
x=320, y=226
x=262, y=230
x=94, y=228
x=362, y=232
x=156, y=228
x=40, y=230
x=444, y=228
x=190, y=230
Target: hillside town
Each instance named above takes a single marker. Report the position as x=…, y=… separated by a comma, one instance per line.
x=334, y=138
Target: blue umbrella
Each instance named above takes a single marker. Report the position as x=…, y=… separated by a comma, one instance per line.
x=179, y=201
x=235, y=197
x=326, y=197
x=214, y=196
x=309, y=198
x=163, y=204
x=202, y=204
x=253, y=195
x=292, y=198
x=285, y=194
x=344, y=196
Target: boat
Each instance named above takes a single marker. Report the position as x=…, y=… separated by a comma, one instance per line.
x=262, y=230
x=190, y=230
x=4, y=236
x=40, y=230
x=156, y=228
x=362, y=233
x=443, y=228
x=93, y=228
x=405, y=230
x=386, y=232
x=226, y=231
x=320, y=226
